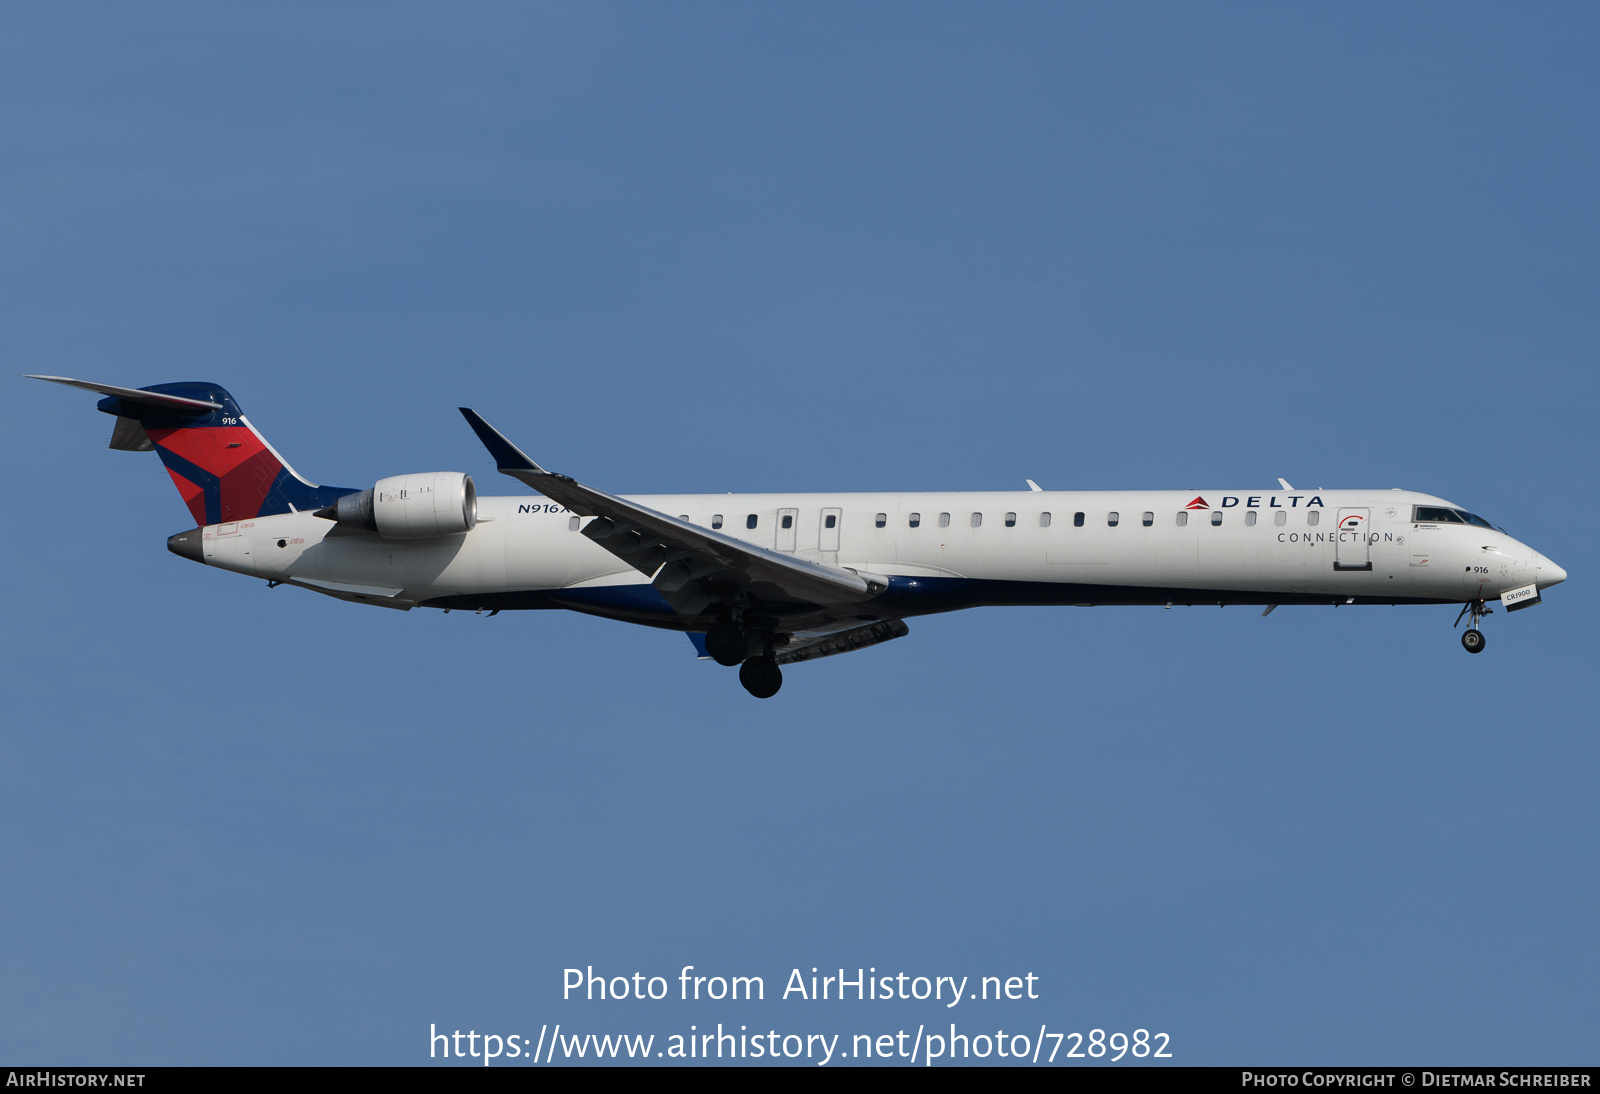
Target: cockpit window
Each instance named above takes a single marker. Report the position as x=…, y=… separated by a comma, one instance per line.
x=1438, y=514
x=1435, y=514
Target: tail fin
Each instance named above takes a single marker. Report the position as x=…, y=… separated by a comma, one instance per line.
x=224, y=469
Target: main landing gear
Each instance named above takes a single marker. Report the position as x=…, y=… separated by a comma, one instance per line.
x=729, y=644
x=761, y=676
x=1473, y=640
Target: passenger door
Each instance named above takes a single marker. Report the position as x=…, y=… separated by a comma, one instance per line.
x=1354, y=549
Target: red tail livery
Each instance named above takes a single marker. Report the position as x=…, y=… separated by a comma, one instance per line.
x=224, y=469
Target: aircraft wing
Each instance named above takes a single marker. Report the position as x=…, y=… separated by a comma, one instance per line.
x=688, y=564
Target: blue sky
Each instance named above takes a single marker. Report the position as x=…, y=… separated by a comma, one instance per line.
x=809, y=247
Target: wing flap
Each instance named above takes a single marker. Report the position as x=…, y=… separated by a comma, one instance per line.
x=830, y=645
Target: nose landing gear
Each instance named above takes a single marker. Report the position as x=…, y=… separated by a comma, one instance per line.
x=1473, y=640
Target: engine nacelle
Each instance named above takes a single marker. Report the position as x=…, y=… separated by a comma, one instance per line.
x=435, y=503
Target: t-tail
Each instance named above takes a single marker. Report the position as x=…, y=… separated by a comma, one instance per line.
x=224, y=469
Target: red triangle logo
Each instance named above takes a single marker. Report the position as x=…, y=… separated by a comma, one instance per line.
x=1197, y=503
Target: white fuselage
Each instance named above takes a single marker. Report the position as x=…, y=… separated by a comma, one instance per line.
x=1027, y=546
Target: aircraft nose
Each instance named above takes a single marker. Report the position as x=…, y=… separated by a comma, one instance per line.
x=1549, y=573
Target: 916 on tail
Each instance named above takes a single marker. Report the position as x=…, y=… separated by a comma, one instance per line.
x=762, y=581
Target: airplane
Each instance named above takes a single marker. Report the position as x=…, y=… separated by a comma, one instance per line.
x=764, y=581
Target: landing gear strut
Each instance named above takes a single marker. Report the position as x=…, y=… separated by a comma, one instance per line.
x=728, y=645
x=761, y=676
x=1473, y=640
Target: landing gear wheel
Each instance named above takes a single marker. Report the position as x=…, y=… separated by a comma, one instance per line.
x=1473, y=640
x=761, y=677
x=727, y=645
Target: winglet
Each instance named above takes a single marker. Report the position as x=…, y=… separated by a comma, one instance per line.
x=1033, y=486
x=1285, y=484
x=507, y=456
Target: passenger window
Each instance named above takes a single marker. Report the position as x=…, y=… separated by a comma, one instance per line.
x=683, y=516
x=916, y=520
x=977, y=519
x=572, y=524
x=1112, y=518
x=788, y=521
x=1077, y=520
x=1250, y=518
x=828, y=522
x=1313, y=518
x=716, y=520
x=1149, y=519
x=1044, y=520
x=1216, y=517
x=1280, y=518
x=750, y=521
x=1183, y=518
x=944, y=520
x=880, y=520
x=1011, y=520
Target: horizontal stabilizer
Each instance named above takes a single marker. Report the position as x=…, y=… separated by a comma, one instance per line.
x=135, y=395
